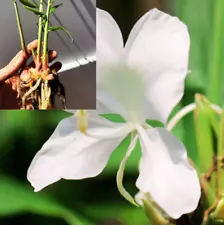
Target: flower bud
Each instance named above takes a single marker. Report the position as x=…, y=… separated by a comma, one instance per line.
x=154, y=214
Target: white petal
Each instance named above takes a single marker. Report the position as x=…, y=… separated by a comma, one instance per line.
x=70, y=154
x=166, y=173
x=110, y=48
x=159, y=46
x=109, y=39
x=107, y=104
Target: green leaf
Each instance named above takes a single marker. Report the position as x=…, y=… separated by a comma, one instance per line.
x=53, y=8
x=199, y=27
x=219, y=210
x=36, y=11
x=126, y=214
x=56, y=28
x=28, y=3
x=16, y=198
x=198, y=78
x=217, y=216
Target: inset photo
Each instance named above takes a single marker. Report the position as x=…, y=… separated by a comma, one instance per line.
x=48, y=54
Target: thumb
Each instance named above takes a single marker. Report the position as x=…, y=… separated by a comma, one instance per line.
x=13, y=67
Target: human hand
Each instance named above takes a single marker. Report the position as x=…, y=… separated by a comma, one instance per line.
x=10, y=78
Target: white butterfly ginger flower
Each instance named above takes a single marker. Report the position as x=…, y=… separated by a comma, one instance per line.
x=143, y=80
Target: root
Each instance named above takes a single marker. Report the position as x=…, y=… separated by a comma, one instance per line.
x=58, y=89
x=45, y=96
x=63, y=100
x=34, y=88
x=37, y=91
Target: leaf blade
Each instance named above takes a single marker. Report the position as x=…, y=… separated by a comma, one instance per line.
x=56, y=28
x=28, y=3
x=53, y=8
x=16, y=198
x=36, y=11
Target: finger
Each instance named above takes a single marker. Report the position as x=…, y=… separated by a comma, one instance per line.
x=17, y=62
x=32, y=45
x=51, y=56
x=13, y=66
x=54, y=68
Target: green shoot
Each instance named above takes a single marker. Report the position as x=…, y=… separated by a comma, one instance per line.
x=46, y=34
x=22, y=39
x=40, y=32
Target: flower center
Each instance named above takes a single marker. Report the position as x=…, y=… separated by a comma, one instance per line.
x=126, y=86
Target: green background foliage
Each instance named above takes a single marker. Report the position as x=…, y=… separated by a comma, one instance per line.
x=97, y=200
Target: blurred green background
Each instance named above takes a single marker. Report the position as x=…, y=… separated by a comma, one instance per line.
x=97, y=200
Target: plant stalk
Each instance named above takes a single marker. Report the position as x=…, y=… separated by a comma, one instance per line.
x=154, y=216
x=204, y=137
x=40, y=23
x=220, y=156
x=216, y=57
x=46, y=34
x=22, y=39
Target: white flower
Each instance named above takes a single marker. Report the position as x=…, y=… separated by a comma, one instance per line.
x=143, y=80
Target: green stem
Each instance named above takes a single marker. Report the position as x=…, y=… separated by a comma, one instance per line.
x=40, y=31
x=154, y=216
x=22, y=39
x=217, y=52
x=204, y=136
x=205, y=142
x=46, y=32
x=220, y=155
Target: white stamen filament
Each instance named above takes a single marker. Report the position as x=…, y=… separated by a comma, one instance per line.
x=120, y=173
x=186, y=110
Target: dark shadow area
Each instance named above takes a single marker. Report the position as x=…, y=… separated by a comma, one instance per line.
x=80, y=87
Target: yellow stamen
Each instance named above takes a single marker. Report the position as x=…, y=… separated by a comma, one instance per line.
x=82, y=120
